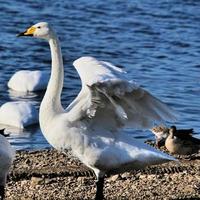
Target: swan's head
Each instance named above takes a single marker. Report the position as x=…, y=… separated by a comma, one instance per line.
x=39, y=30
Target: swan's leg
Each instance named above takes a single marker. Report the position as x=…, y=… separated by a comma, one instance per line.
x=2, y=192
x=99, y=186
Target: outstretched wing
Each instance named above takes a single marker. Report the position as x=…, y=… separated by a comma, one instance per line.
x=109, y=100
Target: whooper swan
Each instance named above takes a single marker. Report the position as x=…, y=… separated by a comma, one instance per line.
x=92, y=125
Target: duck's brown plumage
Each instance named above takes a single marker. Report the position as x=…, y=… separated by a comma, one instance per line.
x=182, y=142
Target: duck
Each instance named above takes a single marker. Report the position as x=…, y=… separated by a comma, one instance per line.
x=28, y=81
x=19, y=114
x=93, y=125
x=7, y=155
x=161, y=132
x=182, y=142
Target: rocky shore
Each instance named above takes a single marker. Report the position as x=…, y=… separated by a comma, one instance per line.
x=49, y=174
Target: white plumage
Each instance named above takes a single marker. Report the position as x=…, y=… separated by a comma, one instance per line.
x=7, y=155
x=92, y=125
x=28, y=81
x=19, y=114
x=108, y=88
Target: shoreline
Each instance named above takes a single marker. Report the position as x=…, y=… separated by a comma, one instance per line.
x=49, y=174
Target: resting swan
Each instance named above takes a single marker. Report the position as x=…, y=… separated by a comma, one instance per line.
x=19, y=114
x=92, y=125
x=7, y=155
x=28, y=81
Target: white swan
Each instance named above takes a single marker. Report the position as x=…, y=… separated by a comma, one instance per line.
x=19, y=114
x=28, y=81
x=7, y=155
x=92, y=125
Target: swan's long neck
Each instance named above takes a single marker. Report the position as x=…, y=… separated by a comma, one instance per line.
x=51, y=103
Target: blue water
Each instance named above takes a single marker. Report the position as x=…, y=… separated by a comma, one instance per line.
x=157, y=42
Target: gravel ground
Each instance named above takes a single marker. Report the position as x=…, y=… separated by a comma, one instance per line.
x=49, y=174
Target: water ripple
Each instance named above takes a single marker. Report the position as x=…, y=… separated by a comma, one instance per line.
x=157, y=42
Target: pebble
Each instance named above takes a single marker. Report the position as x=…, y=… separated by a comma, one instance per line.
x=36, y=181
x=143, y=176
x=126, y=175
x=113, y=178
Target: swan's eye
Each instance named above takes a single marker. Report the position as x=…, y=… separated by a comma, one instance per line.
x=39, y=27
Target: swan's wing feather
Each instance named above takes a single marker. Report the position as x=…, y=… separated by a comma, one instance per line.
x=131, y=106
x=107, y=97
x=110, y=65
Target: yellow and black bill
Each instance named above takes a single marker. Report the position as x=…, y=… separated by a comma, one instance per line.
x=29, y=32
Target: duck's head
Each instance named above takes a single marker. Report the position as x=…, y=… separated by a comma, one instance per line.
x=40, y=30
x=172, y=131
